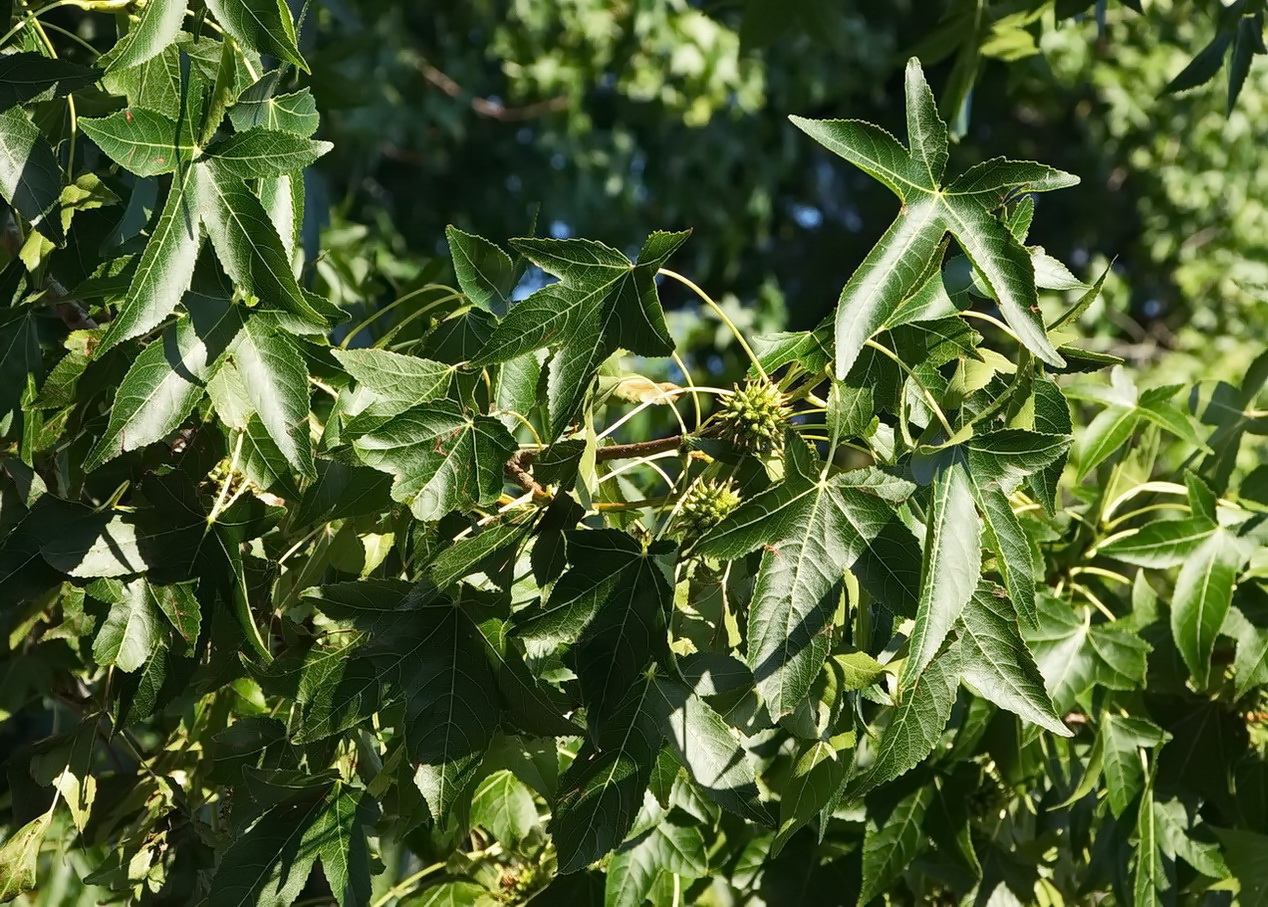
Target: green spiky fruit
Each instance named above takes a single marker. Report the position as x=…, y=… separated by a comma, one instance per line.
x=706, y=505
x=754, y=416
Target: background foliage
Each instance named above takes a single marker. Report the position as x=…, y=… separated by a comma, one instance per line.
x=348, y=557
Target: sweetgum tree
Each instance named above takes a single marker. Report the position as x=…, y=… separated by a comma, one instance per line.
x=300, y=609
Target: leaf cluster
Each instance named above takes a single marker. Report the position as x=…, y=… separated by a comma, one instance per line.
x=409, y=612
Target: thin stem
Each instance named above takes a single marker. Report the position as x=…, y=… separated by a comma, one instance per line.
x=691, y=382
x=925, y=392
x=67, y=33
x=407, y=885
x=224, y=486
x=1118, y=521
x=1160, y=487
x=523, y=421
x=1090, y=596
x=658, y=500
x=383, y=341
x=1102, y=572
x=992, y=320
x=374, y=316
x=673, y=513
x=748, y=351
x=664, y=397
x=643, y=461
x=31, y=17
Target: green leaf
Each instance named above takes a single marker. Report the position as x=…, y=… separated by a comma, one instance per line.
x=1161, y=543
x=1074, y=655
x=465, y=556
x=627, y=593
x=143, y=141
x=1004, y=535
x=343, y=491
x=247, y=243
x=1003, y=458
x=443, y=458
x=666, y=847
x=180, y=606
x=1052, y=416
x=333, y=689
x=602, y=790
x=26, y=77
x=485, y=273
x=19, y=857
x=264, y=26
x=813, y=529
x=165, y=382
x=276, y=380
x=338, y=838
x=454, y=894
x=398, y=382
x=891, y=271
x=258, y=107
x=1246, y=853
x=817, y=776
x=1150, y=878
x=433, y=659
x=914, y=726
x=268, y=865
x=85, y=543
x=710, y=750
x=951, y=568
x=602, y=302
x=265, y=152
x=531, y=703
x=1203, y=593
x=998, y=665
x=20, y=356
x=892, y=841
x=30, y=179
x=442, y=783
x=166, y=267
x=132, y=629
x=1122, y=737
x=858, y=669
x=158, y=27
x=504, y=806
x=1173, y=824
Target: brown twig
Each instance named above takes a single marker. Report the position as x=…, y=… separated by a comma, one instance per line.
x=521, y=462
x=518, y=469
x=494, y=110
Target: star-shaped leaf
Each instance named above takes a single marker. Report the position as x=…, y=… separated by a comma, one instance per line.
x=603, y=302
x=964, y=207
x=1073, y=654
x=443, y=458
x=813, y=529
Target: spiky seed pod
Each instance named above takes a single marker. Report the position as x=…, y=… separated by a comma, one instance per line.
x=222, y=472
x=754, y=417
x=706, y=505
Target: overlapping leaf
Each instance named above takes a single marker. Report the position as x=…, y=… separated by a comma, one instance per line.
x=166, y=381
x=997, y=663
x=442, y=457
x=602, y=302
x=813, y=529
